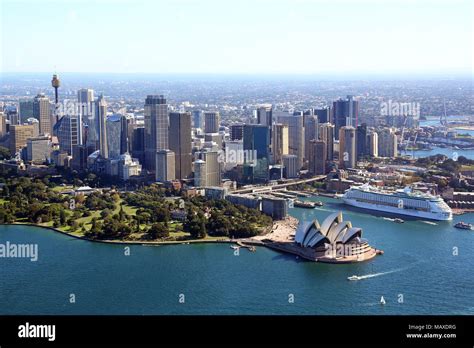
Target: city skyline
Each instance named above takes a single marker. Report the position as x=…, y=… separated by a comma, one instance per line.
x=258, y=37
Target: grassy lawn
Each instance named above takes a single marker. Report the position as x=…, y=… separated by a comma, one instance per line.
x=62, y=188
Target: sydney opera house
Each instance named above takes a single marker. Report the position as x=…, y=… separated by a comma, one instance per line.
x=334, y=241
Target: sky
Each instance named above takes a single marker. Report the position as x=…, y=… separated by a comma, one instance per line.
x=237, y=37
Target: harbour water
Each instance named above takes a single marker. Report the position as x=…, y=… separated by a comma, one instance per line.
x=426, y=269
x=447, y=151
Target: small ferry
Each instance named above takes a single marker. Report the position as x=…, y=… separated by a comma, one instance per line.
x=308, y=205
x=301, y=204
x=354, y=277
x=463, y=226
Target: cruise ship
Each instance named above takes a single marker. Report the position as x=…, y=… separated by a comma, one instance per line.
x=401, y=202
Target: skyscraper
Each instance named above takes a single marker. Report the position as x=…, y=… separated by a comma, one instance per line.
x=279, y=142
x=213, y=168
x=67, y=129
x=387, y=143
x=200, y=173
x=311, y=132
x=165, y=162
x=25, y=109
x=3, y=125
x=127, y=134
x=324, y=114
x=85, y=98
x=211, y=122
x=19, y=134
x=198, y=119
x=290, y=162
x=156, y=128
x=326, y=133
x=38, y=150
x=345, y=113
x=317, y=157
x=361, y=141
x=138, y=143
x=373, y=139
x=114, y=135
x=256, y=145
x=101, y=114
x=180, y=143
x=42, y=112
x=12, y=115
x=347, y=147
x=265, y=115
x=295, y=135
x=237, y=131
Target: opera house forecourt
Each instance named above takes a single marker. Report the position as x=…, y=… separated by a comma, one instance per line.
x=333, y=241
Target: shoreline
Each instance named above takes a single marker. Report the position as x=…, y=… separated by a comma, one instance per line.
x=131, y=242
x=280, y=239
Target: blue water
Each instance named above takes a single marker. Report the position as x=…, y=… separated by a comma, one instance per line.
x=418, y=263
x=448, y=151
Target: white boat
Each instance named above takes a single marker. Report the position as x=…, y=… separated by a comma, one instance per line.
x=354, y=277
x=400, y=202
x=235, y=247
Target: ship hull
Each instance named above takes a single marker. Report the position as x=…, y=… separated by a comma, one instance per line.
x=397, y=211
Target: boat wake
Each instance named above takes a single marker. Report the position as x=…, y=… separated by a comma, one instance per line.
x=373, y=275
x=430, y=223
